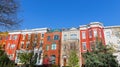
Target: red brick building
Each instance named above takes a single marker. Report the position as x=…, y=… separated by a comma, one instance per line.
x=88, y=35
x=46, y=44
x=51, y=47
x=12, y=45
x=31, y=41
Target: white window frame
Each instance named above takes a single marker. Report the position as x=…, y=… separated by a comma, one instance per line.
x=108, y=34
x=54, y=46
x=8, y=46
x=73, y=36
x=12, y=46
x=65, y=36
x=22, y=44
x=83, y=34
x=27, y=44
x=15, y=37
x=84, y=43
x=47, y=47
x=95, y=32
x=91, y=43
x=100, y=33
x=90, y=33
x=23, y=37
x=10, y=37
x=29, y=36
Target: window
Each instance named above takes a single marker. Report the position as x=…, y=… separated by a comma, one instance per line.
x=14, y=37
x=83, y=35
x=39, y=57
x=41, y=43
x=29, y=36
x=35, y=44
x=23, y=36
x=118, y=42
x=100, y=33
x=52, y=59
x=90, y=33
x=12, y=46
x=73, y=36
x=42, y=35
x=64, y=47
x=56, y=37
x=65, y=36
x=109, y=43
x=8, y=45
x=35, y=35
x=53, y=46
x=96, y=44
x=71, y=45
x=47, y=47
x=22, y=44
x=91, y=45
x=117, y=34
x=108, y=34
x=48, y=38
x=95, y=33
x=84, y=45
x=10, y=37
x=11, y=56
x=27, y=44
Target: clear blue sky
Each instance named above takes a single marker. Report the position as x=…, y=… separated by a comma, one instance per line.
x=68, y=13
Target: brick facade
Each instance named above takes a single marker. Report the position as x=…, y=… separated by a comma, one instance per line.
x=52, y=46
x=49, y=44
x=89, y=34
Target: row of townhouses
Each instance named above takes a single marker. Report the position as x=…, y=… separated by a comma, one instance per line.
x=52, y=46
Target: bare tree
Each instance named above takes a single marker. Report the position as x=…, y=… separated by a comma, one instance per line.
x=8, y=13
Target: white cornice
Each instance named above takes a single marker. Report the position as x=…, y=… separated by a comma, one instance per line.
x=108, y=27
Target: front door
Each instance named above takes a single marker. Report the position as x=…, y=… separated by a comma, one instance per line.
x=64, y=61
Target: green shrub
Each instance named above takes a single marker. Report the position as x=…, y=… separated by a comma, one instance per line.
x=54, y=65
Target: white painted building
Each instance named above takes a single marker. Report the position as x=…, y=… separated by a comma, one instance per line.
x=112, y=38
x=70, y=38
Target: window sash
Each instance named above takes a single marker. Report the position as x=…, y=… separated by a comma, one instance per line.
x=47, y=47
x=56, y=37
x=95, y=33
x=53, y=46
x=48, y=38
x=73, y=36
x=84, y=46
x=83, y=34
x=65, y=36
x=90, y=33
